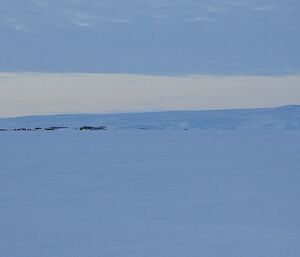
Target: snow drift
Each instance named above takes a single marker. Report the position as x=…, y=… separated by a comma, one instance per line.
x=229, y=186
x=286, y=117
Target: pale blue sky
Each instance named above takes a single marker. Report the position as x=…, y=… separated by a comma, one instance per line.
x=147, y=55
x=29, y=94
x=235, y=37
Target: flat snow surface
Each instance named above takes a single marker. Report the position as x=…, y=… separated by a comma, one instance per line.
x=224, y=192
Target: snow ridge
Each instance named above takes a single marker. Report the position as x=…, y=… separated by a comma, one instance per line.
x=284, y=117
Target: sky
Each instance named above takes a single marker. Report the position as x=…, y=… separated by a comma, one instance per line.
x=29, y=94
x=96, y=44
x=161, y=37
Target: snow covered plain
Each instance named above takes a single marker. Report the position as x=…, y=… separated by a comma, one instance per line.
x=211, y=184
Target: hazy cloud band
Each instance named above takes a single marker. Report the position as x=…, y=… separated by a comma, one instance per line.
x=31, y=93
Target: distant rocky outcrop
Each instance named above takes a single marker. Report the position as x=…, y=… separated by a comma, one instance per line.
x=22, y=129
x=93, y=128
x=54, y=128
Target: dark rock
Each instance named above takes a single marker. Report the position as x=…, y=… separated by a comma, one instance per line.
x=22, y=129
x=93, y=128
x=55, y=128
